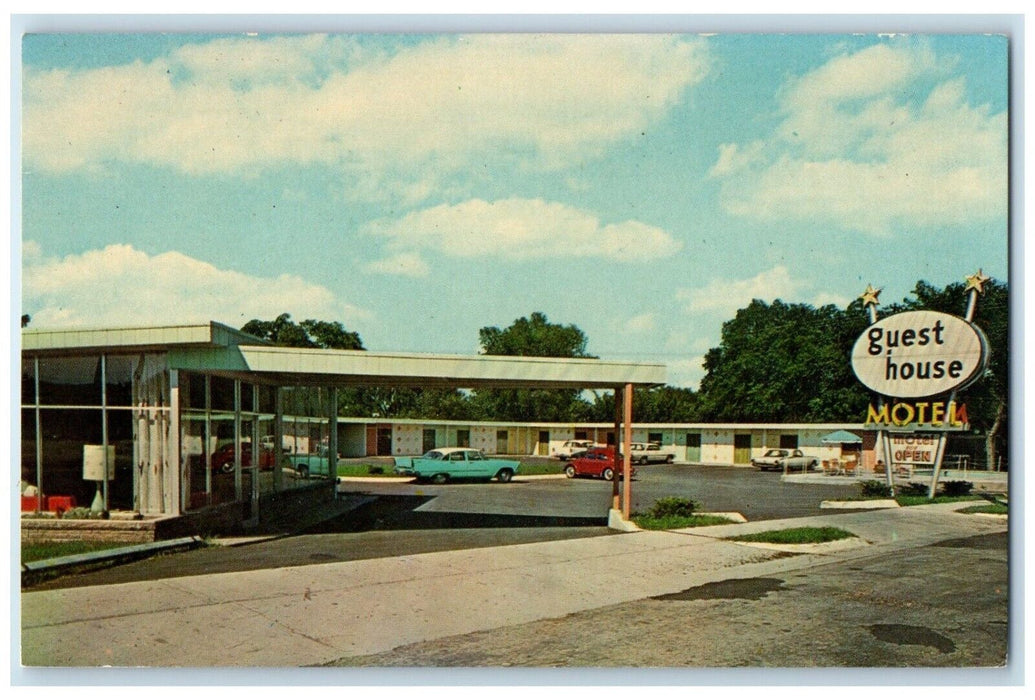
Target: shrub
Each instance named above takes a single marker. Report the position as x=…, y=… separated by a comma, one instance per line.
x=913, y=488
x=957, y=488
x=80, y=513
x=375, y=469
x=874, y=489
x=673, y=507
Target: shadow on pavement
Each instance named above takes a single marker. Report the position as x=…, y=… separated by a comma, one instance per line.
x=400, y=513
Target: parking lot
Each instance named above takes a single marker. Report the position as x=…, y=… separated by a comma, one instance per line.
x=756, y=495
x=401, y=518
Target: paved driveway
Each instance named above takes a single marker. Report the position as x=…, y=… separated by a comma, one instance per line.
x=408, y=518
x=756, y=495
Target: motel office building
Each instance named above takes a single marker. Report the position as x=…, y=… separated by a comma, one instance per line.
x=165, y=402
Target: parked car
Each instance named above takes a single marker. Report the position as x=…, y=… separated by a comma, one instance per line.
x=223, y=458
x=648, y=452
x=571, y=449
x=781, y=459
x=445, y=463
x=306, y=466
x=598, y=462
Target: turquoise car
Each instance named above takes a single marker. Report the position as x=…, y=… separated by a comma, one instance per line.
x=445, y=463
x=306, y=466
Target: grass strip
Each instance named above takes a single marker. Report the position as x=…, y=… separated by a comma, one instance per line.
x=678, y=522
x=991, y=509
x=38, y=551
x=796, y=535
x=925, y=501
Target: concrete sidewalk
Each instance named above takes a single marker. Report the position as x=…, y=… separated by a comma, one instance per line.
x=311, y=615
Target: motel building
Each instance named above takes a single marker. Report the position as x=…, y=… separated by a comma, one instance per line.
x=159, y=423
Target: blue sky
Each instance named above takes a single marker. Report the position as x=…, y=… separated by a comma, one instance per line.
x=420, y=187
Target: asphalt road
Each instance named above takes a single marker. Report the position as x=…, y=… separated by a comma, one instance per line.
x=944, y=606
x=409, y=518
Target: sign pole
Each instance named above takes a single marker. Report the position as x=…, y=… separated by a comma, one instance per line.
x=975, y=287
x=870, y=300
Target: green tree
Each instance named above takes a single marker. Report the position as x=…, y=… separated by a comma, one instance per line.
x=784, y=363
x=307, y=334
x=532, y=336
x=988, y=398
x=663, y=404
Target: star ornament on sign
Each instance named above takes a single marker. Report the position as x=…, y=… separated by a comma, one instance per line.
x=870, y=296
x=977, y=282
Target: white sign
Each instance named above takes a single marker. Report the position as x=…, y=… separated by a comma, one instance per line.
x=919, y=353
x=914, y=449
x=93, y=462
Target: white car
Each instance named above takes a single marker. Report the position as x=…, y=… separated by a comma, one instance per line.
x=780, y=459
x=648, y=452
x=571, y=449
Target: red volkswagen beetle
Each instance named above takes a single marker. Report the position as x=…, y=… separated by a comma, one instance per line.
x=598, y=462
x=223, y=458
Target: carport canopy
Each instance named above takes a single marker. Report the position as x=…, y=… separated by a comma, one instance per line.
x=214, y=348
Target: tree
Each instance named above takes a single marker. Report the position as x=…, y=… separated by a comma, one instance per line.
x=311, y=334
x=533, y=336
x=663, y=404
x=784, y=363
x=987, y=399
x=307, y=334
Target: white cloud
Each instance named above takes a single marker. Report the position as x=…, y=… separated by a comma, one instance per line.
x=868, y=144
x=522, y=229
x=725, y=297
x=405, y=264
x=642, y=323
x=244, y=104
x=122, y=285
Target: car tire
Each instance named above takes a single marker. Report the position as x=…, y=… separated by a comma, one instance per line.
x=641, y=460
x=608, y=474
x=227, y=467
x=569, y=471
x=669, y=459
x=303, y=471
x=440, y=478
x=505, y=475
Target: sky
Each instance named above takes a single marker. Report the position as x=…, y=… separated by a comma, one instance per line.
x=420, y=187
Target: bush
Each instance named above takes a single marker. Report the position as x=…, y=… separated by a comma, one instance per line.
x=874, y=489
x=81, y=513
x=375, y=469
x=956, y=488
x=673, y=507
x=913, y=488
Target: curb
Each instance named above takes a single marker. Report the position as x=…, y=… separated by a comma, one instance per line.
x=861, y=505
x=34, y=570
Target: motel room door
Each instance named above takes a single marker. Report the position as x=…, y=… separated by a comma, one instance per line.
x=742, y=448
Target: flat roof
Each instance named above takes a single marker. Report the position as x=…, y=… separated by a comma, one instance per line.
x=133, y=338
x=218, y=349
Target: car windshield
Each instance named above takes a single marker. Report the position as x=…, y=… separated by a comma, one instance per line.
x=433, y=454
x=776, y=453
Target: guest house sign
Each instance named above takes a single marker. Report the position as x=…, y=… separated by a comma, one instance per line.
x=919, y=360
x=919, y=353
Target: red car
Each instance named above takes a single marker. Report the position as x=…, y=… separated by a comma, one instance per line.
x=598, y=462
x=223, y=458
